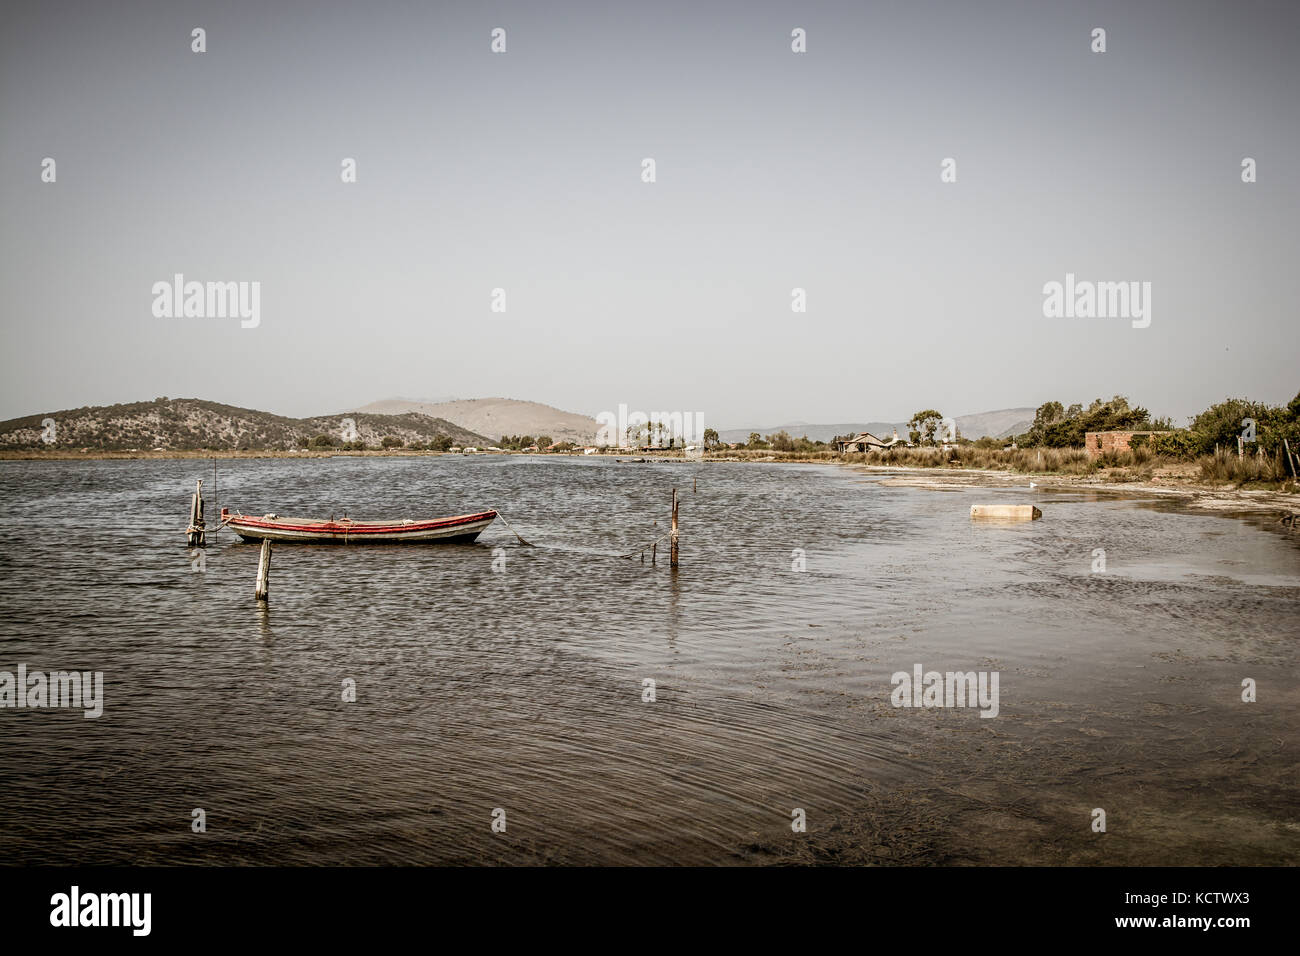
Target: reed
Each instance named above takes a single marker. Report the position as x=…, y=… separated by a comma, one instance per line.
x=1225, y=467
x=1138, y=464
x=1024, y=460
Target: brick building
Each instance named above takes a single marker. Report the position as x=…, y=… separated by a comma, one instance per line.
x=1094, y=443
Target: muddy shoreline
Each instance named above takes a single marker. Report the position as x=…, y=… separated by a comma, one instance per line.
x=1188, y=493
x=1188, y=773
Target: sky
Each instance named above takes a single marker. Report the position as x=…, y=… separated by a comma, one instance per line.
x=774, y=171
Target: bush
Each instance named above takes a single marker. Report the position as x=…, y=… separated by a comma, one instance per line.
x=1179, y=443
x=391, y=441
x=1221, y=425
x=1058, y=427
x=321, y=441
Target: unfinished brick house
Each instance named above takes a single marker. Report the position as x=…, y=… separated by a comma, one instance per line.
x=1097, y=442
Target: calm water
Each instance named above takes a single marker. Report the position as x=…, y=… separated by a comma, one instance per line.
x=522, y=689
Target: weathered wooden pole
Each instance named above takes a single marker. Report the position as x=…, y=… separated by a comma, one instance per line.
x=264, y=571
x=672, y=560
x=195, y=530
x=216, y=502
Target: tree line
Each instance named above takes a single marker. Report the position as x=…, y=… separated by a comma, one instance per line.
x=1262, y=426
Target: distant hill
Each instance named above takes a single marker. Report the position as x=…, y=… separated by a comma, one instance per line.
x=495, y=417
x=192, y=423
x=814, y=432
x=998, y=424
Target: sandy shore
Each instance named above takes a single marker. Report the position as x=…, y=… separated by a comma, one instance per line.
x=1187, y=491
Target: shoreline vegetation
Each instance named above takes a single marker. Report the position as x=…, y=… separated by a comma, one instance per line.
x=1236, y=448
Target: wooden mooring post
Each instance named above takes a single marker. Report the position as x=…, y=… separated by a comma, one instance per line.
x=264, y=571
x=195, y=531
x=672, y=559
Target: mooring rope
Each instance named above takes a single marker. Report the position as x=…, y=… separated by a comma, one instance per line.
x=666, y=534
x=512, y=530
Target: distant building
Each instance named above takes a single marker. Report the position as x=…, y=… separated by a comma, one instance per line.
x=864, y=441
x=1096, y=443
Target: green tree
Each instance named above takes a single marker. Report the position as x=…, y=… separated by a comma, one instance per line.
x=781, y=441
x=1221, y=423
x=1057, y=428
x=922, y=426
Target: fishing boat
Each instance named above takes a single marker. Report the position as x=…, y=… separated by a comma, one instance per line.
x=346, y=530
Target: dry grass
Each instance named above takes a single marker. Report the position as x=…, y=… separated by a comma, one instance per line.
x=1025, y=460
x=1226, y=468
x=1069, y=461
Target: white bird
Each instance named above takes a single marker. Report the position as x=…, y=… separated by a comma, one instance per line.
x=1033, y=485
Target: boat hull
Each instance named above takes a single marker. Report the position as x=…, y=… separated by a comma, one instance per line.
x=462, y=528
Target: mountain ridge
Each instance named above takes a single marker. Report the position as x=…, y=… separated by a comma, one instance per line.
x=194, y=423
x=495, y=417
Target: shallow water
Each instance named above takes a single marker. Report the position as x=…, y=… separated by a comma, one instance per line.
x=521, y=689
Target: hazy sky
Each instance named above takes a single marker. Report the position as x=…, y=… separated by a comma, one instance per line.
x=775, y=170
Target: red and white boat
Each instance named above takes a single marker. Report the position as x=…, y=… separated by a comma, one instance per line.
x=349, y=531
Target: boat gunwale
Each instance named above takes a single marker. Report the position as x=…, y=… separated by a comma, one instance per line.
x=349, y=526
